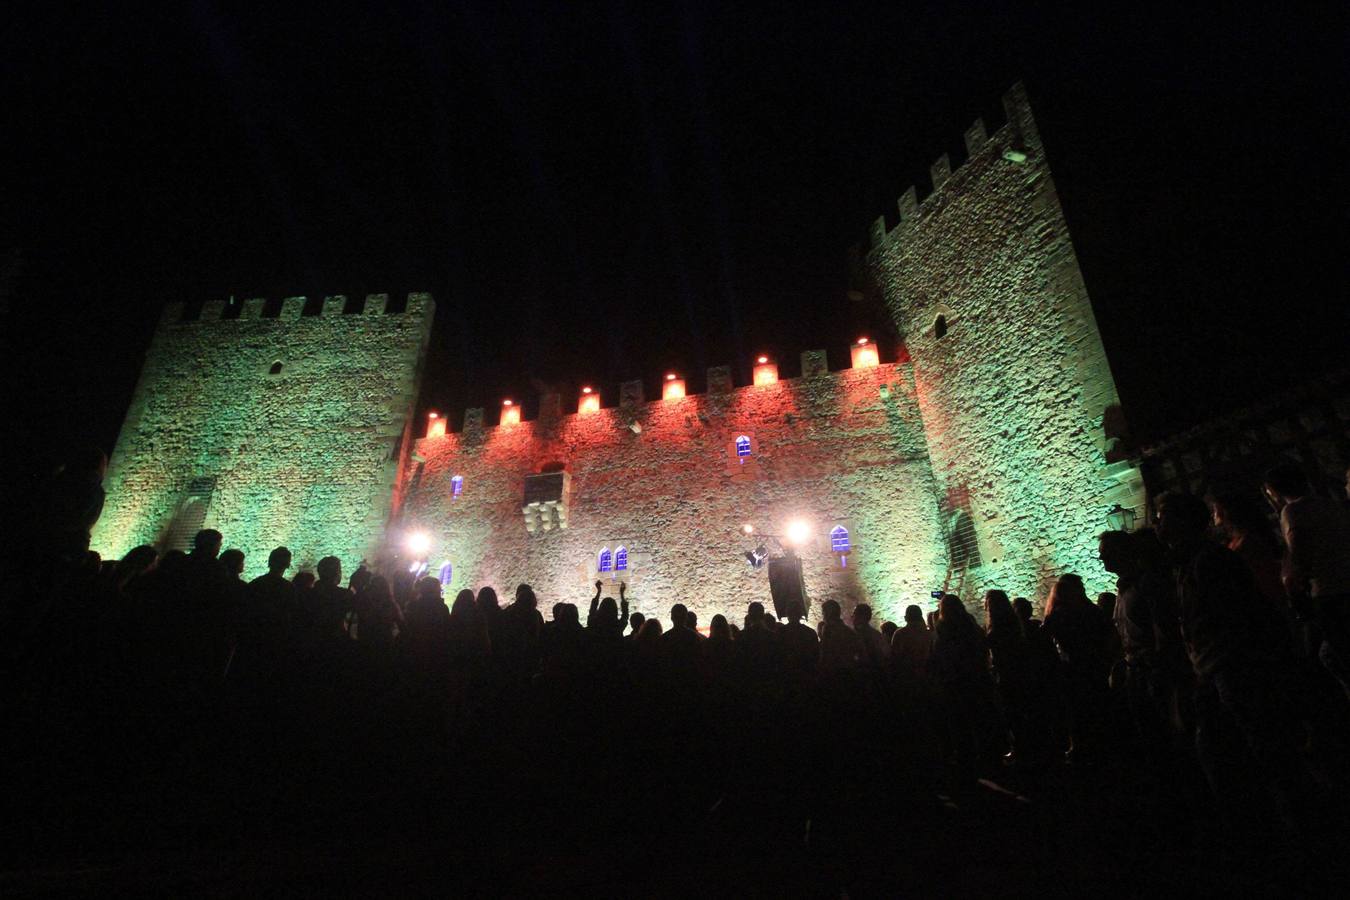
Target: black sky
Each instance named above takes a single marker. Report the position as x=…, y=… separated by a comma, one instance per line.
x=605, y=191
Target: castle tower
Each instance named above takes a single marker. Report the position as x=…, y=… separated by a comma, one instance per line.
x=276, y=423
x=1018, y=403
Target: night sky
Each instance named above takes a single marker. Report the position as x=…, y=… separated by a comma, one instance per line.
x=613, y=190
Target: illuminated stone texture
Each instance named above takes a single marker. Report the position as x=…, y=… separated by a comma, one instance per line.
x=1015, y=396
x=304, y=453
x=830, y=449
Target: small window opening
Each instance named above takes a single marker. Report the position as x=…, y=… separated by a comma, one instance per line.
x=605, y=562
x=313, y=307
x=743, y=446
x=940, y=327
x=839, y=542
x=456, y=485
x=272, y=308
x=354, y=306
x=397, y=303
x=276, y=368
x=621, y=559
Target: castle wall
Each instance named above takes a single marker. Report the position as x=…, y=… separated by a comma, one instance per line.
x=842, y=448
x=306, y=457
x=1017, y=398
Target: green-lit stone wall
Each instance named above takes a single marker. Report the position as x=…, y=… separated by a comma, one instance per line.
x=306, y=457
x=1015, y=395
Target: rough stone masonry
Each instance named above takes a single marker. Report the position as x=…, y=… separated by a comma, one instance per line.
x=983, y=458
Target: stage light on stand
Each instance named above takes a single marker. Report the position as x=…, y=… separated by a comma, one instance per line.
x=756, y=556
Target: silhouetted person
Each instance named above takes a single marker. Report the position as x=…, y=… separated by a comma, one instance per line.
x=912, y=644
x=328, y=604
x=378, y=618
x=681, y=646
x=1236, y=652
x=470, y=646
x=1011, y=663
x=799, y=643
x=840, y=647
x=425, y=640
x=1079, y=632
x=875, y=649
x=635, y=625
x=269, y=616
x=1316, y=570
x=959, y=670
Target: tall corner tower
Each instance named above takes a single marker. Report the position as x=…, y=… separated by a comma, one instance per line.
x=1016, y=395
x=276, y=423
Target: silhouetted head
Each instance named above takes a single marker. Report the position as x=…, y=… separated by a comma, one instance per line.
x=138, y=561
x=1238, y=515
x=303, y=581
x=427, y=588
x=862, y=615
x=464, y=605
x=1116, y=550
x=1068, y=592
x=650, y=633
x=691, y=620
x=999, y=613
x=569, y=615
x=1106, y=602
x=1181, y=519
x=1284, y=483
x=1022, y=606
x=677, y=615
x=525, y=597
x=719, y=628
x=377, y=592
x=913, y=614
x=359, y=577
x=330, y=570
x=754, y=615
x=635, y=621
x=233, y=561
x=951, y=610
x=794, y=611
x=608, y=609
x=487, y=600
x=831, y=612
x=888, y=630
x=207, y=543
x=278, y=561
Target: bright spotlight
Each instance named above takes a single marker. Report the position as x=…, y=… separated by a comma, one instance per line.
x=418, y=543
x=798, y=531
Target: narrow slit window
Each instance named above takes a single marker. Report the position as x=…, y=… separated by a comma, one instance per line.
x=456, y=485
x=605, y=562
x=443, y=575
x=276, y=368
x=621, y=559
x=940, y=327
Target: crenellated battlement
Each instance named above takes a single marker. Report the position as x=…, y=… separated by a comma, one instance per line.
x=293, y=309
x=633, y=407
x=1014, y=143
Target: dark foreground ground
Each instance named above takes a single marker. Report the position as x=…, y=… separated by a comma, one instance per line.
x=210, y=819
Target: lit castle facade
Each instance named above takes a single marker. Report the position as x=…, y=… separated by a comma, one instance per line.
x=987, y=455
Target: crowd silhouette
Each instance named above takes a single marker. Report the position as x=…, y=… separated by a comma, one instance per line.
x=1212, y=681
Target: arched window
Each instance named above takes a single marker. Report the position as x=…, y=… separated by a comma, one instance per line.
x=742, y=446
x=444, y=574
x=276, y=368
x=839, y=542
x=621, y=559
x=940, y=327
x=606, y=561
x=456, y=486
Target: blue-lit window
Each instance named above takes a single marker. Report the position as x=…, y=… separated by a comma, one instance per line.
x=606, y=561
x=621, y=559
x=839, y=539
x=443, y=575
x=456, y=485
x=742, y=446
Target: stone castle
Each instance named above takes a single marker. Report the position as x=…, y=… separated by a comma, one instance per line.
x=987, y=455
